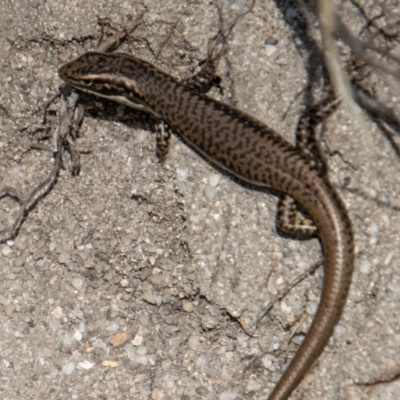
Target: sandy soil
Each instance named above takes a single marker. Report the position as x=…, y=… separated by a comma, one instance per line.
x=141, y=281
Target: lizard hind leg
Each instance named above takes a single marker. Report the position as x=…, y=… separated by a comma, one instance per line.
x=289, y=220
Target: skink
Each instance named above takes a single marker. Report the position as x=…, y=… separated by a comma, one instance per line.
x=249, y=150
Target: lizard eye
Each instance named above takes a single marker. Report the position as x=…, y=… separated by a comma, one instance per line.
x=86, y=83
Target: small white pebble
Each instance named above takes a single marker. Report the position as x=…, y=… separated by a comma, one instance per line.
x=142, y=359
x=267, y=362
x=187, y=305
x=125, y=282
x=253, y=386
x=365, y=267
x=228, y=396
x=372, y=192
x=6, y=251
x=194, y=218
x=85, y=364
x=182, y=174
x=57, y=312
x=77, y=283
x=130, y=352
x=216, y=216
x=340, y=329
x=77, y=336
x=214, y=179
x=137, y=341
x=68, y=368
x=194, y=342
x=112, y=327
x=285, y=308
x=82, y=327
x=270, y=49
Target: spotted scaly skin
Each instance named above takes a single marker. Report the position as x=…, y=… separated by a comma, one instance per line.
x=251, y=151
